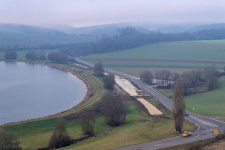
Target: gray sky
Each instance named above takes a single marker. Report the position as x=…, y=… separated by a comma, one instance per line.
x=92, y=12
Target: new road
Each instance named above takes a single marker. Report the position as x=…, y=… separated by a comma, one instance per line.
x=206, y=125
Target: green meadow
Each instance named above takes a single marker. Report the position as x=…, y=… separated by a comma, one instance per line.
x=179, y=51
x=210, y=103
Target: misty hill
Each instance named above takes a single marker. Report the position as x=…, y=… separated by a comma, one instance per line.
x=179, y=28
x=26, y=29
x=97, y=30
x=208, y=27
x=13, y=35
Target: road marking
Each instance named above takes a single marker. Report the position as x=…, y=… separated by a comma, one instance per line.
x=204, y=122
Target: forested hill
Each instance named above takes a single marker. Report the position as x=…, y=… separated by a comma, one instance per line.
x=21, y=37
x=129, y=37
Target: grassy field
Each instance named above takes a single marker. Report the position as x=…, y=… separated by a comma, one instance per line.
x=36, y=133
x=210, y=103
x=168, y=54
x=138, y=128
x=185, y=50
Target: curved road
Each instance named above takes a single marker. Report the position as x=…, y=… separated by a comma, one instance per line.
x=206, y=125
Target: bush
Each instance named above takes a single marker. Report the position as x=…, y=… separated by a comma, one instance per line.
x=60, y=137
x=8, y=141
x=220, y=137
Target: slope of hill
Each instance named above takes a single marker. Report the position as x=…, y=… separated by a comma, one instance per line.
x=97, y=30
x=29, y=36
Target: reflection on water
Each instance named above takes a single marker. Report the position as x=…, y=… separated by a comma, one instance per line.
x=31, y=91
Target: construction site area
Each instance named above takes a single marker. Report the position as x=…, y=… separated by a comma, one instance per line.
x=140, y=95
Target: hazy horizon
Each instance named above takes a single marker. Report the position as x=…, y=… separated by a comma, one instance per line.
x=88, y=13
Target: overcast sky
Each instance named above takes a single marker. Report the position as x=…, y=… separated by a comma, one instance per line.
x=92, y=12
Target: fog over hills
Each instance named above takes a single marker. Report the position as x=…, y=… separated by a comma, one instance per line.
x=111, y=29
x=15, y=34
x=108, y=29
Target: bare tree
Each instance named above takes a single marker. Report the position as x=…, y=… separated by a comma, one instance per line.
x=98, y=69
x=114, y=108
x=178, y=106
x=88, y=121
x=60, y=137
x=109, y=82
x=211, y=77
x=146, y=76
x=164, y=75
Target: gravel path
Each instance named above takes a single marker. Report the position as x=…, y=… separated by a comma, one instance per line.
x=151, y=109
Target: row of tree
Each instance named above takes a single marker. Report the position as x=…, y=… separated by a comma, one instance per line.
x=192, y=80
x=127, y=38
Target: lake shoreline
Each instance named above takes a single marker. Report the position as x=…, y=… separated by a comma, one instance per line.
x=88, y=94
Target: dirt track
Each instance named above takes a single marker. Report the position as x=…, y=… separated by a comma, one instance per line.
x=126, y=86
x=151, y=109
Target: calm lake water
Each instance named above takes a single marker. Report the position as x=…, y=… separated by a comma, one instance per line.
x=30, y=91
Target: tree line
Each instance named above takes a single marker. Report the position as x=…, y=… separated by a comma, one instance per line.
x=129, y=37
x=192, y=81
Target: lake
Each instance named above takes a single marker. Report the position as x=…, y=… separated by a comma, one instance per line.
x=30, y=91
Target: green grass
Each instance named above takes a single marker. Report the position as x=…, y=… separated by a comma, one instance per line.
x=36, y=134
x=210, y=103
x=211, y=50
x=138, y=128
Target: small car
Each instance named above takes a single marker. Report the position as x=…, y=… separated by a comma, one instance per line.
x=186, y=134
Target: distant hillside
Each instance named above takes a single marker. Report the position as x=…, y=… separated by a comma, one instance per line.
x=19, y=36
x=179, y=28
x=26, y=29
x=97, y=30
x=207, y=27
